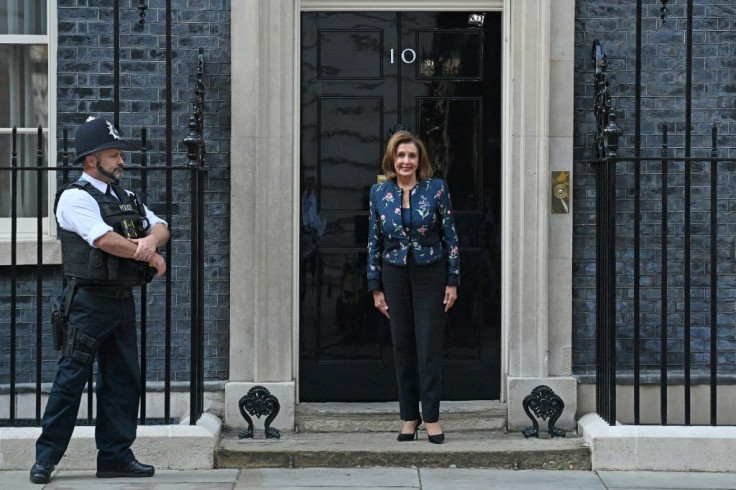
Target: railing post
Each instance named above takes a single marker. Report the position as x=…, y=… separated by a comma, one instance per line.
x=168, y=308
x=144, y=286
x=196, y=152
x=39, y=270
x=663, y=285
x=13, y=265
x=606, y=146
x=714, y=277
x=65, y=158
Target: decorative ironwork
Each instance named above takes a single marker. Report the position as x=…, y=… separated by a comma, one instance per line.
x=544, y=403
x=607, y=131
x=664, y=10
x=196, y=152
x=194, y=141
x=259, y=401
x=142, y=7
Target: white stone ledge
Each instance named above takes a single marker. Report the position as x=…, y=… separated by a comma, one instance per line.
x=167, y=447
x=26, y=250
x=658, y=448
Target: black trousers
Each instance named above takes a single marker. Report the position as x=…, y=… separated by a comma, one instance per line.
x=414, y=294
x=112, y=323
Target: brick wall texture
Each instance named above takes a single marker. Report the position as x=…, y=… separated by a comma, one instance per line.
x=663, y=90
x=85, y=87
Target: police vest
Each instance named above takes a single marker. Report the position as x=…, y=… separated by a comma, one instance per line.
x=93, y=266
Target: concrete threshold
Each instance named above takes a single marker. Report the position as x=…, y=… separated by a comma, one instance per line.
x=462, y=449
x=384, y=416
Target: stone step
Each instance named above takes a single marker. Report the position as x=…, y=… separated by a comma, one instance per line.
x=462, y=449
x=384, y=417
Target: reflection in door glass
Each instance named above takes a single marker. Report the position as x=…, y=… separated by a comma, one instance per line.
x=450, y=54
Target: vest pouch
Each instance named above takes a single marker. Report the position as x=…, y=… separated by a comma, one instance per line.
x=112, y=267
x=96, y=265
x=131, y=272
x=145, y=272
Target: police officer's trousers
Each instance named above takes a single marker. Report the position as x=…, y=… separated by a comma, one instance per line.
x=415, y=295
x=110, y=321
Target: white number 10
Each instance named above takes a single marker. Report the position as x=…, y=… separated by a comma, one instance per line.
x=404, y=57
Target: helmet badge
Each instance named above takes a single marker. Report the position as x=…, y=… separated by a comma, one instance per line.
x=113, y=131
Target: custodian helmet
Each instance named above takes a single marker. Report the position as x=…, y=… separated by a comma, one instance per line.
x=95, y=135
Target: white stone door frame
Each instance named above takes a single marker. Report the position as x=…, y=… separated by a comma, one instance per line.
x=536, y=246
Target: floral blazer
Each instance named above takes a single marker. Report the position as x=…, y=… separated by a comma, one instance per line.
x=430, y=238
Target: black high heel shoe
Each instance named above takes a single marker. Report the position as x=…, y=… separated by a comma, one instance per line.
x=437, y=438
x=410, y=436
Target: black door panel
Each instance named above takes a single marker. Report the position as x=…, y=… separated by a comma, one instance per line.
x=437, y=73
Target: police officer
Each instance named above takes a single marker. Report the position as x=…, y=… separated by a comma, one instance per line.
x=109, y=242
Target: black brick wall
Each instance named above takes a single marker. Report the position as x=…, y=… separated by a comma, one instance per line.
x=663, y=99
x=85, y=87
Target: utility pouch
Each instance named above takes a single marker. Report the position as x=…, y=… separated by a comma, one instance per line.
x=96, y=265
x=79, y=346
x=113, y=267
x=58, y=325
x=60, y=314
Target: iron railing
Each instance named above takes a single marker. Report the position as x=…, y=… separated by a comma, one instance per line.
x=620, y=285
x=44, y=296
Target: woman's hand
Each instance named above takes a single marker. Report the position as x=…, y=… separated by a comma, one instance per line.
x=379, y=301
x=450, y=297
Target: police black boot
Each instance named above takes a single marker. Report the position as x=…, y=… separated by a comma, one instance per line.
x=134, y=469
x=41, y=472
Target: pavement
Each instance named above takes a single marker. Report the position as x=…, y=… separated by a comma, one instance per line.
x=377, y=478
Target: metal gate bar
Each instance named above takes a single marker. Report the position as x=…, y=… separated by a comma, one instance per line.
x=663, y=287
x=637, y=217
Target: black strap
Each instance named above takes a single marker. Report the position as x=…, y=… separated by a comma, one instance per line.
x=72, y=285
x=72, y=338
x=114, y=190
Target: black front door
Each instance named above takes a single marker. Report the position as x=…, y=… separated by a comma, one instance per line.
x=438, y=74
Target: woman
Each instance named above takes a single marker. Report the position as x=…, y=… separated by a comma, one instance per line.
x=413, y=274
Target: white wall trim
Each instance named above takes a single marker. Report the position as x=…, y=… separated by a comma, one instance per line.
x=543, y=203
x=26, y=227
x=296, y=183
x=506, y=187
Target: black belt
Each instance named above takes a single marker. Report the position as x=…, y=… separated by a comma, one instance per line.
x=108, y=292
